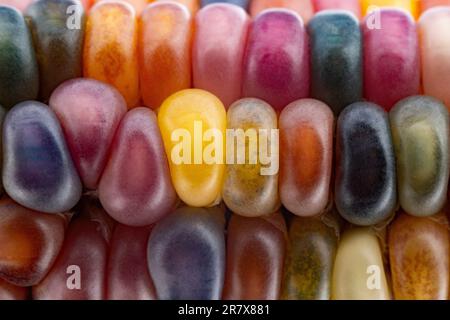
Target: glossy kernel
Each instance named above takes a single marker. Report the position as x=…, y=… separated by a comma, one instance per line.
x=218, y=51
x=89, y=112
x=420, y=130
x=419, y=257
x=276, y=63
x=135, y=188
x=336, y=59
x=30, y=242
x=255, y=256
x=358, y=272
x=19, y=75
x=165, y=40
x=110, y=48
x=251, y=189
x=306, y=155
x=186, y=119
x=434, y=32
x=309, y=262
x=58, y=48
x=186, y=255
x=365, y=184
x=128, y=277
x=79, y=272
x=391, y=58
x=38, y=171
